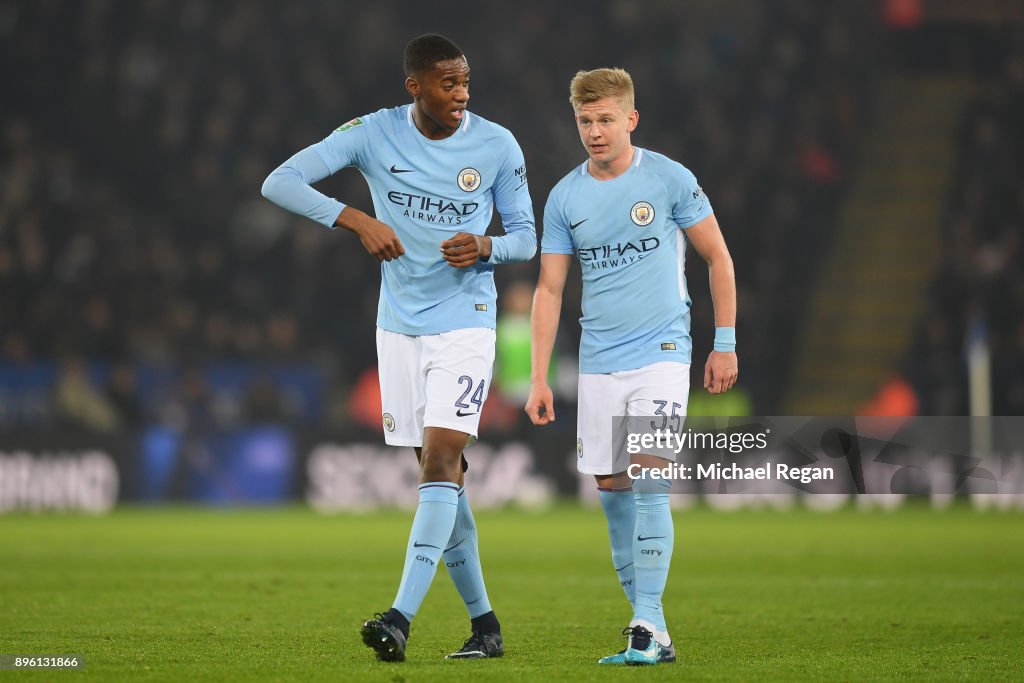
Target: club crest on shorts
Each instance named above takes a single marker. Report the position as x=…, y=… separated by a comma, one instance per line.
x=579, y=448
x=469, y=179
x=642, y=213
x=389, y=422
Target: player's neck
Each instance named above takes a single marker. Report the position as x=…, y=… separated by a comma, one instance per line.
x=428, y=127
x=612, y=168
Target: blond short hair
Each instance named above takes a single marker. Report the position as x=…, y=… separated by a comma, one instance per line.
x=591, y=86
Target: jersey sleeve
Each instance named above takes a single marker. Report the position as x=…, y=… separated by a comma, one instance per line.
x=512, y=202
x=290, y=184
x=557, y=236
x=691, y=204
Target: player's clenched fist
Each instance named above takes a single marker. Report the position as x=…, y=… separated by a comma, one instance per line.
x=540, y=406
x=464, y=249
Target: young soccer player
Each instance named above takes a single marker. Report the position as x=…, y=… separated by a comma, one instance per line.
x=436, y=173
x=627, y=214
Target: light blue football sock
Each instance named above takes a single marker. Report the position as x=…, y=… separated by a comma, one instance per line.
x=620, y=511
x=652, y=549
x=431, y=527
x=462, y=557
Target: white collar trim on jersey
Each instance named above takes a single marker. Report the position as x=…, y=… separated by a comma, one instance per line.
x=465, y=120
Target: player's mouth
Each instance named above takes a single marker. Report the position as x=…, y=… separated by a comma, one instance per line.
x=597, y=149
x=458, y=113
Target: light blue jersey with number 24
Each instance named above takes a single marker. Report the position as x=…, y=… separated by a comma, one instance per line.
x=427, y=191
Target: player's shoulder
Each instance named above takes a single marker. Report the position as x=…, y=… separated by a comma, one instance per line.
x=386, y=117
x=661, y=163
x=570, y=179
x=485, y=129
x=566, y=188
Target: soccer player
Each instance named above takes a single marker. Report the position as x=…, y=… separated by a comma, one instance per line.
x=627, y=214
x=436, y=173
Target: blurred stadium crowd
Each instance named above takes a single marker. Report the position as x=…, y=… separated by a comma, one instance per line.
x=978, y=288
x=135, y=138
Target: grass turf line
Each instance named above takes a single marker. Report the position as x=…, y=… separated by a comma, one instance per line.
x=184, y=594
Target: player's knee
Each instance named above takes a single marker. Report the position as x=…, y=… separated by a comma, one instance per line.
x=440, y=464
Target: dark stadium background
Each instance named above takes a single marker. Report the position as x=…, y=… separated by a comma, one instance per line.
x=864, y=160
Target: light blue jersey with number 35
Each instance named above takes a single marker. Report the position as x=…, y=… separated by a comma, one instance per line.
x=628, y=234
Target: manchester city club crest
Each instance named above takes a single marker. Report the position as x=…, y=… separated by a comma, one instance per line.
x=642, y=213
x=389, y=422
x=469, y=179
x=579, y=448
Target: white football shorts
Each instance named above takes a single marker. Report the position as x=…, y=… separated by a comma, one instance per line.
x=658, y=390
x=434, y=380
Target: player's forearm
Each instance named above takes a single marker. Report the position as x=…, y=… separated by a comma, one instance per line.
x=519, y=243
x=722, y=280
x=288, y=186
x=547, y=307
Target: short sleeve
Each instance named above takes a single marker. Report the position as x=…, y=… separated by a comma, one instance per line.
x=557, y=237
x=691, y=205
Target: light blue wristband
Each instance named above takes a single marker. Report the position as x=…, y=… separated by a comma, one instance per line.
x=725, y=339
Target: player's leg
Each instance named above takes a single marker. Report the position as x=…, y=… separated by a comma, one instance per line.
x=659, y=391
x=599, y=399
x=431, y=527
x=458, y=382
x=653, y=542
x=402, y=388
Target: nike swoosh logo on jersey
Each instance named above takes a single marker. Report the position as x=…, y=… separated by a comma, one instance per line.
x=417, y=544
x=619, y=569
x=573, y=226
x=395, y=169
x=462, y=414
x=647, y=538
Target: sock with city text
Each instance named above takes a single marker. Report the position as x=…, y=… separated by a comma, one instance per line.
x=431, y=527
x=462, y=557
x=652, y=549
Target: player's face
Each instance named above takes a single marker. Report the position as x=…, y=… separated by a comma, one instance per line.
x=604, y=128
x=441, y=95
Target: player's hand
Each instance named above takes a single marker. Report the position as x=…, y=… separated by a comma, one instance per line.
x=379, y=239
x=464, y=249
x=541, y=404
x=721, y=371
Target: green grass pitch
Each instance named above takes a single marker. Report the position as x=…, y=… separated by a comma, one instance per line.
x=182, y=594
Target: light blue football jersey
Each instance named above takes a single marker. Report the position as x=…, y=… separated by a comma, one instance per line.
x=427, y=190
x=628, y=234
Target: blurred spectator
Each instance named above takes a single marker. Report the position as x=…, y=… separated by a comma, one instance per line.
x=123, y=394
x=80, y=403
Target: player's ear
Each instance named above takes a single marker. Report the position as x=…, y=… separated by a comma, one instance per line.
x=412, y=86
x=632, y=120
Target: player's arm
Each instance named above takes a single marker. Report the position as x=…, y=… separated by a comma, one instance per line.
x=512, y=201
x=722, y=367
x=290, y=187
x=547, y=308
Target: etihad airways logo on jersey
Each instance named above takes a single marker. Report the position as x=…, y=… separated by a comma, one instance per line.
x=432, y=209
x=617, y=255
